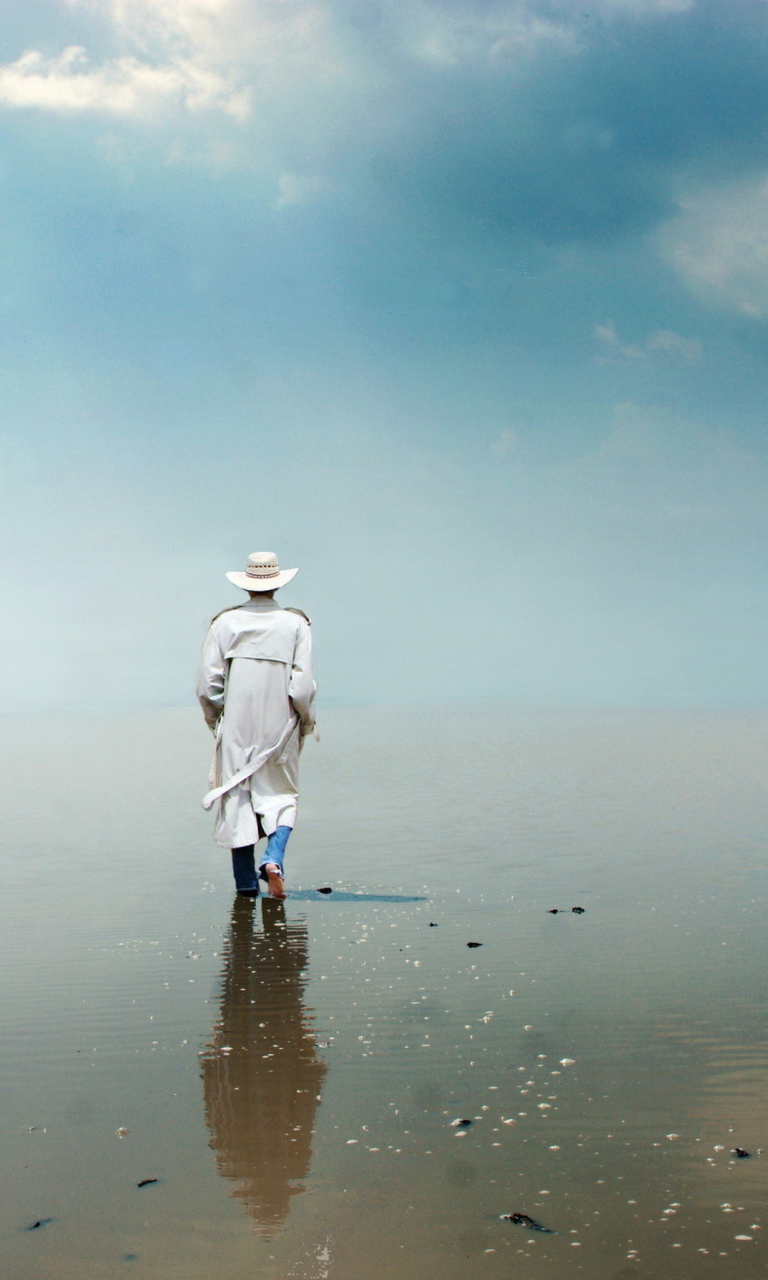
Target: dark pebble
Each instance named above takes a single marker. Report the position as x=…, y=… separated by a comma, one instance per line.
x=553, y=911
x=474, y=944
x=578, y=911
x=740, y=1153
x=433, y=924
x=326, y=889
x=522, y=1220
x=147, y=1182
x=462, y=1124
x=36, y=1226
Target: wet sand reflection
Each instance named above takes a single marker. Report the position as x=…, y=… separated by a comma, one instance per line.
x=261, y=1073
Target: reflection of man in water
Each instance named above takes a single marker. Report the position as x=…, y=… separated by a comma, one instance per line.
x=261, y=1074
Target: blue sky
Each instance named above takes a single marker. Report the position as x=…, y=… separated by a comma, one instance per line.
x=461, y=307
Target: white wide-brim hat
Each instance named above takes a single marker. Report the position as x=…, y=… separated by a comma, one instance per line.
x=262, y=573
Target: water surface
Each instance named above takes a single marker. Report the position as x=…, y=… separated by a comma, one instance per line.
x=291, y=1076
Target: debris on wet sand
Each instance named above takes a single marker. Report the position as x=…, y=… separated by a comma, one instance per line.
x=522, y=1220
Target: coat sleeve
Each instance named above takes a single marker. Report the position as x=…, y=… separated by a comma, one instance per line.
x=212, y=678
x=301, y=687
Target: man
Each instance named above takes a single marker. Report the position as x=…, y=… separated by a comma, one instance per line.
x=256, y=689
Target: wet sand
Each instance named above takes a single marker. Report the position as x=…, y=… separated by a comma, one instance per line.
x=291, y=1076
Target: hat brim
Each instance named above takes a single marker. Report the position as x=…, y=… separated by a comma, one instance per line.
x=262, y=584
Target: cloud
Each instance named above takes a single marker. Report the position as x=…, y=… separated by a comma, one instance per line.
x=192, y=55
x=718, y=244
x=449, y=36
x=540, y=118
x=670, y=443
x=643, y=8
x=662, y=470
x=663, y=342
x=300, y=188
x=581, y=138
x=190, y=22
x=251, y=38
x=120, y=87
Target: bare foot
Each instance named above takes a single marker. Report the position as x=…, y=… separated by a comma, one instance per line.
x=275, y=882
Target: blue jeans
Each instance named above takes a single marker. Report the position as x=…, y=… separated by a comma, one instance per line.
x=244, y=861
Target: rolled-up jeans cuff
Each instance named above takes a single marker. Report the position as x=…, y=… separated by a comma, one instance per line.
x=275, y=850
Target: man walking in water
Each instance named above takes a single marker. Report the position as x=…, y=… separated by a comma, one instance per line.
x=256, y=689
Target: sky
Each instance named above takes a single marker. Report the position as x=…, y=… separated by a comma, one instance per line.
x=461, y=306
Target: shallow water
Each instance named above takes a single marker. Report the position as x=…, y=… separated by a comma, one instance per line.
x=291, y=1075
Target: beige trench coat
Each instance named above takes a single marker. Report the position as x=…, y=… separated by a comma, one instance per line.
x=257, y=693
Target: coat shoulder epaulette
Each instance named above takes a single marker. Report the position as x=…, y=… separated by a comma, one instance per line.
x=229, y=609
x=289, y=609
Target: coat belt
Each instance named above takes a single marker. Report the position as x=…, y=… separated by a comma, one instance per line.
x=254, y=764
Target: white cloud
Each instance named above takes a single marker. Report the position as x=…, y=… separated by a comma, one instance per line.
x=644, y=8
x=648, y=434
x=239, y=34
x=448, y=35
x=430, y=33
x=195, y=21
x=300, y=188
x=297, y=71
x=654, y=462
x=718, y=244
x=663, y=342
x=194, y=55
x=121, y=86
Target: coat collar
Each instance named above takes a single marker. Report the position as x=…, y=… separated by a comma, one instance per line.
x=260, y=605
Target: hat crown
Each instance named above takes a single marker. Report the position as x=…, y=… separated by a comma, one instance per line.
x=262, y=564
x=262, y=573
